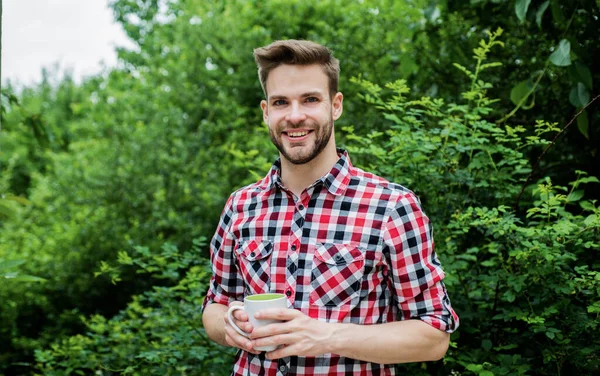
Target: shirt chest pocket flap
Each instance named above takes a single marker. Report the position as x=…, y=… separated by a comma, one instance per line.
x=254, y=260
x=336, y=274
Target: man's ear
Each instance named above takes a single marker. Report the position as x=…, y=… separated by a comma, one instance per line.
x=337, y=105
x=265, y=109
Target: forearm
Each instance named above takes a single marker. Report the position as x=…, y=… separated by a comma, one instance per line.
x=212, y=319
x=389, y=343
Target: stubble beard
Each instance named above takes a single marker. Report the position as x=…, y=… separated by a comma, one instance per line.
x=323, y=135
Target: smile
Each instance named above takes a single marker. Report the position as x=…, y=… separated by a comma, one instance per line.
x=297, y=134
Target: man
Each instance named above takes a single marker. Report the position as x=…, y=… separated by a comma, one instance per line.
x=352, y=252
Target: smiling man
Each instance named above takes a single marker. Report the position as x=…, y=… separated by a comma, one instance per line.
x=352, y=252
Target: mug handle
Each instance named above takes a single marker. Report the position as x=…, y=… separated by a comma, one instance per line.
x=230, y=319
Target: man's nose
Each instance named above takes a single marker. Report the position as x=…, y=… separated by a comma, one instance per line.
x=296, y=114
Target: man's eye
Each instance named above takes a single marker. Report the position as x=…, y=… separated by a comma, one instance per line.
x=279, y=102
x=312, y=99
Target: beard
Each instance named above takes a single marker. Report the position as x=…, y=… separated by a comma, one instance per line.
x=322, y=132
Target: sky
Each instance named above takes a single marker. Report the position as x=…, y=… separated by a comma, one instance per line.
x=79, y=35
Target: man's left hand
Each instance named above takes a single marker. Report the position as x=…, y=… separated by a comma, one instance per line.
x=299, y=334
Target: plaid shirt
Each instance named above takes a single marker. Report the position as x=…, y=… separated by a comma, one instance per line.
x=353, y=248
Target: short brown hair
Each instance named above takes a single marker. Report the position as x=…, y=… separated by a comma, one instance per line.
x=297, y=52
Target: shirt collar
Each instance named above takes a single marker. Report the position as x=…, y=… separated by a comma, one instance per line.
x=336, y=181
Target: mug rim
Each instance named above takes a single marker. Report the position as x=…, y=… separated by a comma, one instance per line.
x=276, y=297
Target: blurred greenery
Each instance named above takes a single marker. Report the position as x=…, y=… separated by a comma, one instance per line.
x=110, y=188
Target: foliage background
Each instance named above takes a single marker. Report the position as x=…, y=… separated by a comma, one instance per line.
x=111, y=187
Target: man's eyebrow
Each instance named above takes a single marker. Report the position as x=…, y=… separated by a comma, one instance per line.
x=312, y=94
x=275, y=97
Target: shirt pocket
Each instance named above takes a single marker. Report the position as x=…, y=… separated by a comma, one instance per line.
x=254, y=261
x=336, y=275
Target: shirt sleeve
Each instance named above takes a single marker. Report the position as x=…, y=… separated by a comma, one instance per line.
x=416, y=272
x=226, y=284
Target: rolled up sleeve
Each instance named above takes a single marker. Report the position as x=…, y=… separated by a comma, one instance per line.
x=416, y=272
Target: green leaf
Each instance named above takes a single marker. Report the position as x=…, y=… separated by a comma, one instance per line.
x=486, y=344
x=583, y=124
x=588, y=179
x=579, y=95
x=509, y=296
x=24, y=278
x=550, y=335
x=475, y=367
x=586, y=205
x=5, y=265
x=540, y=13
x=464, y=70
x=594, y=307
x=488, y=263
x=486, y=373
x=557, y=12
x=562, y=55
x=520, y=91
x=521, y=7
x=590, y=219
x=581, y=72
x=575, y=195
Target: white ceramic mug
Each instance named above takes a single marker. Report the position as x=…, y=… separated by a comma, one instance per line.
x=253, y=304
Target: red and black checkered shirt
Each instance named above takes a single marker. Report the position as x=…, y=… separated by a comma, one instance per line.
x=353, y=248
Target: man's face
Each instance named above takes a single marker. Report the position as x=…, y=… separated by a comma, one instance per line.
x=299, y=111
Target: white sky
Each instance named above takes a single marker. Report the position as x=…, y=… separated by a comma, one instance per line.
x=78, y=34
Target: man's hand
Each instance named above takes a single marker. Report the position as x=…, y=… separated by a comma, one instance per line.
x=232, y=337
x=299, y=334
x=404, y=341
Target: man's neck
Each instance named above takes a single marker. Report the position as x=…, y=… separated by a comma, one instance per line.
x=299, y=177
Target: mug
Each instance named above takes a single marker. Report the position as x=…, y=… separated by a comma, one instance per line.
x=253, y=304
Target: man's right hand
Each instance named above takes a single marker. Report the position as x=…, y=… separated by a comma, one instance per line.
x=232, y=337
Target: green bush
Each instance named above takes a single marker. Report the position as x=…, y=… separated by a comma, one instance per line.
x=526, y=287
x=159, y=333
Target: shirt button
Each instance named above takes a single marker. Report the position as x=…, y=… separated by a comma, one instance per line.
x=282, y=368
x=293, y=247
x=252, y=254
x=300, y=207
x=288, y=293
x=338, y=258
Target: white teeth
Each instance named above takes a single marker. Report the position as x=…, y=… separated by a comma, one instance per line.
x=297, y=134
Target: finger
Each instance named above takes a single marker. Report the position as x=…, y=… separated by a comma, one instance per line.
x=234, y=339
x=282, y=314
x=270, y=330
x=237, y=318
x=241, y=322
x=240, y=315
x=287, y=339
x=276, y=354
x=281, y=352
